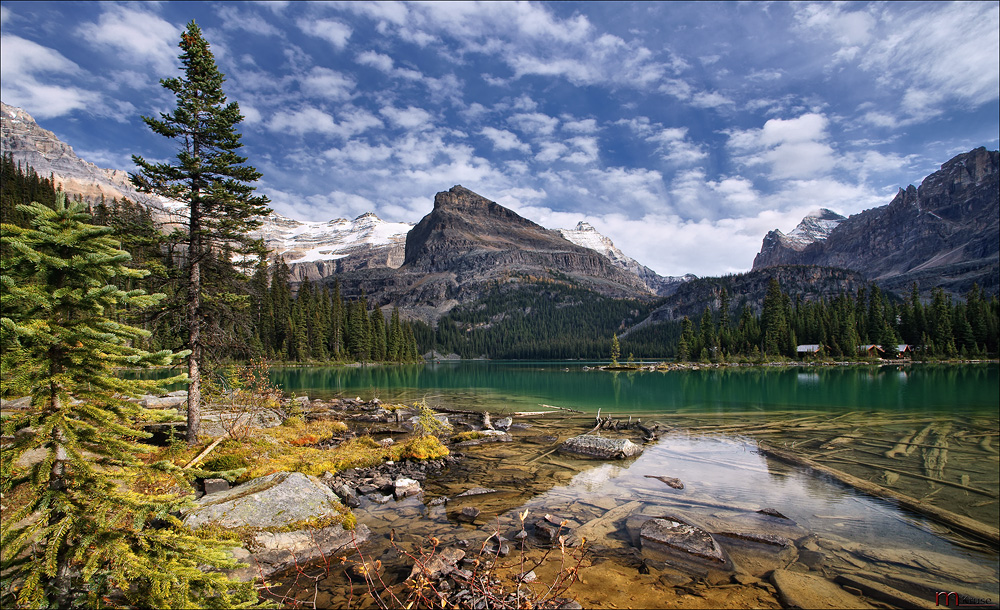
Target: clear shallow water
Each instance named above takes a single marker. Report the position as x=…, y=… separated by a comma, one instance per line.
x=519, y=386
x=716, y=416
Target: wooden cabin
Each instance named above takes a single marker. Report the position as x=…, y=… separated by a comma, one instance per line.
x=871, y=350
x=809, y=350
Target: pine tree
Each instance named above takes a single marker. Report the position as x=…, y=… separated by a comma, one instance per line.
x=209, y=177
x=616, y=350
x=80, y=535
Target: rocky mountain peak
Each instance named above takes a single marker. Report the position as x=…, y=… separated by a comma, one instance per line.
x=942, y=233
x=585, y=226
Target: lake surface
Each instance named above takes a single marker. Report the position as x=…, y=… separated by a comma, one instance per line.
x=847, y=418
x=522, y=386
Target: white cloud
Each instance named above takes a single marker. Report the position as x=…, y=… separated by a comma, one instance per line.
x=579, y=126
x=234, y=19
x=550, y=151
x=327, y=84
x=304, y=121
x=793, y=148
x=534, y=123
x=927, y=55
x=410, y=118
x=334, y=32
x=379, y=61
x=23, y=63
x=505, y=140
x=139, y=35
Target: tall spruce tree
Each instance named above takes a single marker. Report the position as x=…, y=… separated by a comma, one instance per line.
x=210, y=178
x=75, y=534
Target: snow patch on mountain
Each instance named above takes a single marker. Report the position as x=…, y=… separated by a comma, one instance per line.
x=816, y=226
x=584, y=234
x=300, y=241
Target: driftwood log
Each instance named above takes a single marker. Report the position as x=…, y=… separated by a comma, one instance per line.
x=961, y=523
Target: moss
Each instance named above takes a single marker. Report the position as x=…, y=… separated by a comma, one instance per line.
x=246, y=536
x=423, y=448
x=467, y=436
x=222, y=463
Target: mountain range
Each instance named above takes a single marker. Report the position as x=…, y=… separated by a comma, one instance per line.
x=943, y=234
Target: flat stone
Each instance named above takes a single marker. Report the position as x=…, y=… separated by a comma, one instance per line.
x=503, y=423
x=163, y=402
x=476, y=491
x=271, y=501
x=808, y=591
x=348, y=495
x=600, y=447
x=688, y=540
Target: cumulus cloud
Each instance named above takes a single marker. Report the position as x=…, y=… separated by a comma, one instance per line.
x=792, y=148
x=25, y=67
x=410, y=118
x=504, y=140
x=327, y=84
x=534, y=123
x=137, y=34
x=330, y=30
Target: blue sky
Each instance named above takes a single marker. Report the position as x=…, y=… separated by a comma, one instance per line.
x=683, y=131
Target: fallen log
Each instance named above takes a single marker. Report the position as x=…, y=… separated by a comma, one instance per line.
x=915, y=475
x=207, y=450
x=966, y=525
x=560, y=408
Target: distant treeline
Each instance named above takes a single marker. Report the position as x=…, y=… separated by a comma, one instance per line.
x=251, y=312
x=557, y=320
x=841, y=326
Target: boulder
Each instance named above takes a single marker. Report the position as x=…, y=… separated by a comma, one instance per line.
x=271, y=501
x=404, y=487
x=504, y=423
x=600, y=447
x=267, y=507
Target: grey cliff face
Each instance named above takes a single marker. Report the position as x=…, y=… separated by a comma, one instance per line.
x=944, y=233
x=468, y=242
x=31, y=145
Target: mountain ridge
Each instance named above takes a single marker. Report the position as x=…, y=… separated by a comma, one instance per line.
x=944, y=233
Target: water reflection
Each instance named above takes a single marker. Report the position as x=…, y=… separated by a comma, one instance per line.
x=522, y=386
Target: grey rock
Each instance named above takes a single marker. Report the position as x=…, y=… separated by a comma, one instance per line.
x=215, y=486
x=271, y=501
x=469, y=513
x=688, y=540
x=475, y=491
x=504, y=423
x=600, y=447
x=348, y=495
x=163, y=402
x=405, y=487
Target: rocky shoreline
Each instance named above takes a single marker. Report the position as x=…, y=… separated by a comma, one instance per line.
x=753, y=553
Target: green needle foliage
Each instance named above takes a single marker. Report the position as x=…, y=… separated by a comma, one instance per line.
x=216, y=184
x=72, y=532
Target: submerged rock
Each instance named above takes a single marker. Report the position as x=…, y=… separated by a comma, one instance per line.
x=687, y=539
x=601, y=447
x=807, y=591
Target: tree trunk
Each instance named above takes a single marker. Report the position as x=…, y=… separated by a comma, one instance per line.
x=194, y=324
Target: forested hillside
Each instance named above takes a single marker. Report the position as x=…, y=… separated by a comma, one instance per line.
x=255, y=315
